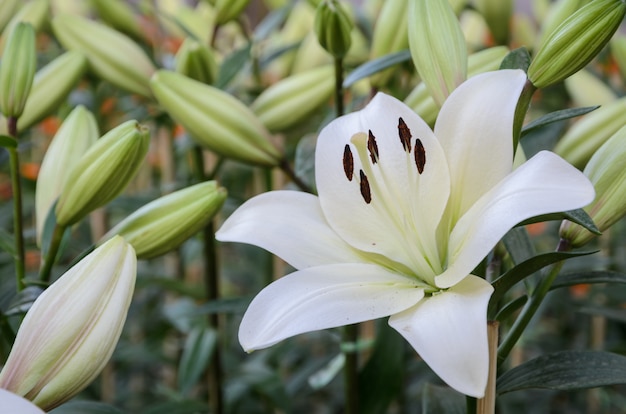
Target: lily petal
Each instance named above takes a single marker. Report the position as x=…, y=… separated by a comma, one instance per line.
x=383, y=198
x=475, y=128
x=449, y=331
x=12, y=403
x=289, y=224
x=324, y=297
x=544, y=184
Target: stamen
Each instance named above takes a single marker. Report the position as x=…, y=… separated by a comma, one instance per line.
x=420, y=156
x=372, y=147
x=405, y=135
x=365, y=187
x=348, y=162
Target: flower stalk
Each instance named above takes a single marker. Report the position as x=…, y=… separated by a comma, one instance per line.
x=18, y=224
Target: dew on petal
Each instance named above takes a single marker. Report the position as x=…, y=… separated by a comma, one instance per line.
x=372, y=147
x=405, y=134
x=420, y=155
x=365, y=187
x=348, y=162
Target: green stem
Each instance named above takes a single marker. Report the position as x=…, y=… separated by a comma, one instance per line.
x=53, y=250
x=520, y=111
x=470, y=405
x=531, y=306
x=18, y=223
x=339, y=110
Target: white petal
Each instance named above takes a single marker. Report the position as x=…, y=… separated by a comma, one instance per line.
x=544, y=184
x=324, y=297
x=12, y=403
x=406, y=205
x=475, y=128
x=449, y=331
x=289, y=224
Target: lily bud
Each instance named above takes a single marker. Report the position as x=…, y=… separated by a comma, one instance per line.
x=606, y=172
x=586, y=89
x=497, y=14
x=76, y=135
x=590, y=132
x=7, y=10
x=19, y=62
x=227, y=10
x=214, y=118
x=196, y=61
x=69, y=333
x=555, y=15
x=297, y=96
x=437, y=46
x=51, y=86
x=102, y=172
x=112, y=56
x=390, y=35
x=333, y=26
x=165, y=223
x=576, y=41
x=119, y=15
x=34, y=12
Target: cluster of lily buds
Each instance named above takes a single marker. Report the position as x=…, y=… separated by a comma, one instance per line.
x=19, y=62
x=196, y=61
x=333, y=28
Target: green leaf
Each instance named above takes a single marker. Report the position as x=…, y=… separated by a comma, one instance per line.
x=516, y=59
x=518, y=244
x=7, y=243
x=441, y=400
x=7, y=141
x=86, y=407
x=271, y=22
x=510, y=308
x=23, y=300
x=196, y=355
x=374, y=66
x=566, y=370
x=618, y=315
x=557, y=116
x=597, y=276
x=379, y=382
x=578, y=216
x=232, y=65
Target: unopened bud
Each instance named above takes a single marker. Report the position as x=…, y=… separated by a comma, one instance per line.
x=586, y=89
x=102, y=172
x=227, y=10
x=19, y=62
x=214, y=118
x=71, y=330
x=7, y=10
x=119, y=15
x=497, y=14
x=34, y=12
x=390, y=35
x=196, y=61
x=333, y=26
x=165, y=223
x=576, y=41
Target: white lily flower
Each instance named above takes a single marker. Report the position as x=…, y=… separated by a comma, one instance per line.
x=404, y=215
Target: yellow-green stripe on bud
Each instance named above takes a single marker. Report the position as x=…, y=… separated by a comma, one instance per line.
x=76, y=135
x=576, y=41
x=333, y=27
x=102, y=172
x=165, y=223
x=227, y=10
x=607, y=173
x=215, y=119
x=437, y=46
x=289, y=101
x=196, y=61
x=51, y=86
x=112, y=56
x=590, y=132
x=71, y=330
x=17, y=70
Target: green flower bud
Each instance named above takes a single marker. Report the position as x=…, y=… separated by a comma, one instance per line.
x=576, y=41
x=437, y=46
x=556, y=15
x=390, y=35
x=227, y=10
x=51, y=86
x=333, y=26
x=34, y=12
x=19, y=62
x=119, y=15
x=196, y=61
x=606, y=172
x=590, y=132
x=165, y=223
x=215, y=119
x=497, y=14
x=111, y=55
x=71, y=330
x=289, y=101
x=7, y=10
x=102, y=172
x=76, y=135
x=586, y=89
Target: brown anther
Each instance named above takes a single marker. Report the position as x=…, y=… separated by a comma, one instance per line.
x=405, y=135
x=372, y=147
x=365, y=187
x=420, y=155
x=348, y=162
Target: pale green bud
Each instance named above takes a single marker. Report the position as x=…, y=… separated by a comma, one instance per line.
x=165, y=223
x=34, y=12
x=497, y=14
x=289, y=101
x=71, y=330
x=196, y=61
x=586, y=89
x=227, y=10
x=7, y=10
x=119, y=15
x=102, y=172
x=51, y=86
x=556, y=14
x=76, y=135
x=332, y=27
x=437, y=46
x=576, y=41
x=606, y=172
x=390, y=35
x=590, y=132
x=17, y=70
x=112, y=56
x=214, y=118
